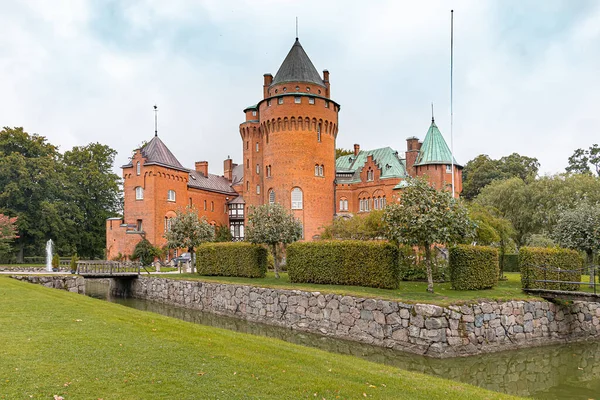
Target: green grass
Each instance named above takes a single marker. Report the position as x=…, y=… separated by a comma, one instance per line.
x=408, y=292
x=60, y=343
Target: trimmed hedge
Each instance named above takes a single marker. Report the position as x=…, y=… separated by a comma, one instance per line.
x=511, y=263
x=530, y=258
x=232, y=259
x=347, y=262
x=473, y=267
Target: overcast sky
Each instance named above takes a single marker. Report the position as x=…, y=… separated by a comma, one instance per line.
x=526, y=73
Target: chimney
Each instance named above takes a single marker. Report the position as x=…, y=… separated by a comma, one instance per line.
x=412, y=152
x=326, y=80
x=202, y=167
x=228, y=169
x=356, y=149
x=268, y=81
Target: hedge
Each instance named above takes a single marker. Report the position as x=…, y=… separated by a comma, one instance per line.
x=348, y=262
x=531, y=258
x=511, y=263
x=232, y=259
x=473, y=267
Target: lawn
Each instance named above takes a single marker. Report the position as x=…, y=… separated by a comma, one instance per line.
x=408, y=292
x=61, y=343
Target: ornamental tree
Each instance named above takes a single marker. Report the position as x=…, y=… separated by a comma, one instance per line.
x=188, y=231
x=423, y=216
x=273, y=225
x=8, y=232
x=145, y=252
x=579, y=229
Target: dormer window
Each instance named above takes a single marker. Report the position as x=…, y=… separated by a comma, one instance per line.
x=137, y=168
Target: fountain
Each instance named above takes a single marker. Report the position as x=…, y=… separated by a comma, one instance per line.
x=49, y=246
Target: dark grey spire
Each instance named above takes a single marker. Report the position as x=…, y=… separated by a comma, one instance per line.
x=297, y=67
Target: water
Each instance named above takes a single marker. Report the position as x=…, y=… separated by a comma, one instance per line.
x=49, y=246
x=553, y=372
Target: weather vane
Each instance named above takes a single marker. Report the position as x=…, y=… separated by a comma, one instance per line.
x=155, y=120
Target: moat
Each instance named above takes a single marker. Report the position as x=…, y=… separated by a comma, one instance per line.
x=569, y=371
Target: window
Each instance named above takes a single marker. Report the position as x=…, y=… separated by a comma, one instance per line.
x=271, y=196
x=285, y=89
x=212, y=206
x=326, y=104
x=139, y=193
x=257, y=147
x=247, y=185
x=321, y=170
x=448, y=168
x=308, y=89
x=257, y=169
x=268, y=171
x=139, y=225
x=247, y=162
x=280, y=100
x=297, y=88
x=361, y=203
x=257, y=189
x=319, y=133
x=204, y=205
x=370, y=174
x=382, y=203
x=237, y=230
x=376, y=203
x=316, y=170
x=171, y=195
x=190, y=201
x=137, y=168
x=311, y=100
x=296, y=199
x=254, y=113
x=268, y=103
x=297, y=100
x=247, y=145
x=343, y=204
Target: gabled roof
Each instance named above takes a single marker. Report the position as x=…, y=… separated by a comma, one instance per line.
x=386, y=159
x=434, y=149
x=297, y=67
x=212, y=183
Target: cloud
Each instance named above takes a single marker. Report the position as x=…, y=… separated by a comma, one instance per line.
x=82, y=71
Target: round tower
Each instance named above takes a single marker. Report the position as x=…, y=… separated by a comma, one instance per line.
x=297, y=127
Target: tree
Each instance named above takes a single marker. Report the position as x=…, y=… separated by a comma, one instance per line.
x=222, y=234
x=579, y=229
x=357, y=227
x=581, y=159
x=273, y=225
x=424, y=216
x=8, y=232
x=145, y=252
x=188, y=231
x=483, y=170
x=342, y=152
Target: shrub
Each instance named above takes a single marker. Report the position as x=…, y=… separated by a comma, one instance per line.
x=55, y=262
x=73, y=263
x=511, y=262
x=349, y=262
x=473, y=267
x=232, y=259
x=532, y=259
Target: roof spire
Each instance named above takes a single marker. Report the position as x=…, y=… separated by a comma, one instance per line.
x=432, y=119
x=155, y=121
x=296, y=28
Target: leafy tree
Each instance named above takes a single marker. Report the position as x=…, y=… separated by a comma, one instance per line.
x=188, y=231
x=222, y=234
x=358, y=227
x=342, y=152
x=273, y=225
x=579, y=229
x=539, y=240
x=145, y=252
x=423, y=217
x=581, y=159
x=483, y=170
x=8, y=232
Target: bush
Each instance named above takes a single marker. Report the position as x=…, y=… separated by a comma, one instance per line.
x=55, y=262
x=232, y=259
x=532, y=258
x=511, y=262
x=349, y=262
x=473, y=267
x=73, y=263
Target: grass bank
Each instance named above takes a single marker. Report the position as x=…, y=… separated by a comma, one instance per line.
x=60, y=343
x=408, y=292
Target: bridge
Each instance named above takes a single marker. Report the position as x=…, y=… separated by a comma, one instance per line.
x=108, y=269
x=552, y=287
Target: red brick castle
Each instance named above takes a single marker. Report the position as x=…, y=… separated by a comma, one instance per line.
x=289, y=142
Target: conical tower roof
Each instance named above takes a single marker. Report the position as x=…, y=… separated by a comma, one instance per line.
x=297, y=67
x=434, y=149
x=156, y=152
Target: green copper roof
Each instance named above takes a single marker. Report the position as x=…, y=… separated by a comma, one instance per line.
x=434, y=149
x=386, y=159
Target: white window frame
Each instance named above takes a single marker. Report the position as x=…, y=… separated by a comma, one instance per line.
x=257, y=169
x=316, y=169
x=268, y=103
x=254, y=113
x=297, y=199
x=280, y=100
x=171, y=195
x=138, y=170
x=326, y=104
x=297, y=100
x=311, y=100
x=257, y=147
x=448, y=168
x=321, y=170
x=139, y=193
x=257, y=189
x=271, y=196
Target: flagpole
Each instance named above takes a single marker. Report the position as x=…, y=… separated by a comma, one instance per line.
x=451, y=95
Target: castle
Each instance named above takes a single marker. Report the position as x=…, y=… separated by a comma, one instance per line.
x=289, y=157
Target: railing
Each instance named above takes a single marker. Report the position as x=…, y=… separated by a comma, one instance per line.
x=558, y=271
x=101, y=267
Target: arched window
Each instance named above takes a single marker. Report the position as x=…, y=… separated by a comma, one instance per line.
x=257, y=169
x=343, y=204
x=318, y=132
x=257, y=189
x=382, y=203
x=257, y=147
x=212, y=206
x=171, y=195
x=297, y=199
x=321, y=170
x=137, y=168
x=139, y=193
x=204, y=205
x=271, y=196
x=247, y=185
x=316, y=170
x=376, y=203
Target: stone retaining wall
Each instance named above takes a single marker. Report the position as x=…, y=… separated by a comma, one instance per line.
x=71, y=283
x=420, y=328
x=17, y=269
